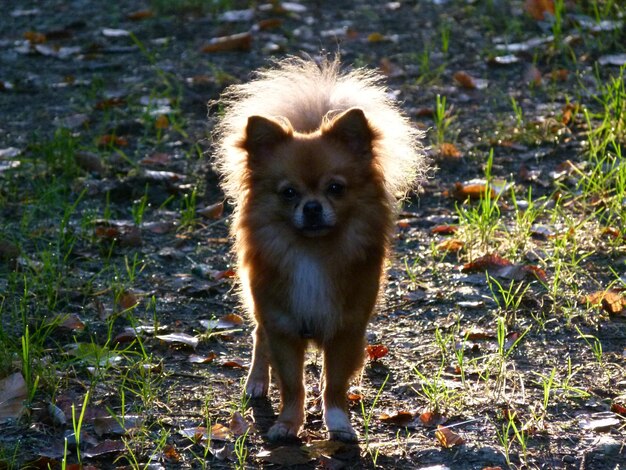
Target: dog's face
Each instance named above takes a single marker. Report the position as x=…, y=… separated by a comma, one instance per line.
x=310, y=182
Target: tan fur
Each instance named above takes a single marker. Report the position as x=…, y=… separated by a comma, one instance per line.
x=311, y=264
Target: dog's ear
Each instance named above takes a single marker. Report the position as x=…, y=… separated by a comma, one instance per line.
x=352, y=129
x=264, y=133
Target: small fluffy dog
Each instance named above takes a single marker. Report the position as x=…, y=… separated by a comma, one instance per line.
x=314, y=160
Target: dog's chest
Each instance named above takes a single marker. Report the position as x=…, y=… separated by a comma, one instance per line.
x=312, y=297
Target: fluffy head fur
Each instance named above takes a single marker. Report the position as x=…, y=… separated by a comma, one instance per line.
x=305, y=94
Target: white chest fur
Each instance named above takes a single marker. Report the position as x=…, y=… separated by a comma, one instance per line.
x=312, y=299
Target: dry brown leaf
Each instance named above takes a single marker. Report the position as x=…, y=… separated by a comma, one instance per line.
x=449, y=151
x=214, y=211
x=110, y=139
x=447, y=437
x=444, y=229
x=400, y=418
x=238, y=424
x=72, y=322
x=269, y=23
x=376, y=37
x=12, y=395
x=140, y=15
x=485, y=263
x=227, y=322
x=453, y=245
x=162, y=122
x=376, y=351
x=234, y=364
x=612, y=301
x=234, y=42
x=34, y=37
x=462, y=192
x=127, y=300
x=465, y=80
x=538, y=8
x=110, y=103
x=431, y=419
x=197, y=359
x=171, y=454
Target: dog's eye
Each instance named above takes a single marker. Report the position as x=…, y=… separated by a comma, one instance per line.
x=336, y=189
x=288, y=193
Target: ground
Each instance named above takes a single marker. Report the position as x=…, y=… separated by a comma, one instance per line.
x=501, y=339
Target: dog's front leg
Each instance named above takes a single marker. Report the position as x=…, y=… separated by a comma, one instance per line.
x=258, y=381
x=287, y=358
x=343, y=356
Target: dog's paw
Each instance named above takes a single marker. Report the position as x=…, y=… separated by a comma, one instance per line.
x=256, y=388
x=283, y=431
x=339, y=427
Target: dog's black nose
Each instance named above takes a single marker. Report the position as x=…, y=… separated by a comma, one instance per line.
x=312, y=209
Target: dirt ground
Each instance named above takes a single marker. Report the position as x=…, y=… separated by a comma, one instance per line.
x=106, y=69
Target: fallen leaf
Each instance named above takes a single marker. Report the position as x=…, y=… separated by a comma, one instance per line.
x=269, y=23
x=123, y=232
x=197, y=359
x=158, y=158
x=376, y=37
x=12, y=395
x=127, y=300
x=600, y=424
x=448, y=151
x=238, y=424
x=179, y=339
x=34, y=37
x=140, y=15
x=72, y=322
x=431, y=419
x=110, y=103
x=485, y=263
x=618, y=408
x=559, y=75
x=214, y=211
x=376, y=351
x=325, y=448
x=285, y=456
x=56, y=415
x=234, y=364
x=400, y=418
x=477, y=334
x=464, y=79
x=612, y=301
x=447, y=437
x=462, y=192
x=495, y=265
x=538, y=8
x=220, y=432
x=229, y=321
x=234, y=42
x=453, y=245
x=225, y=274
x=444, y=229
x=112, y=140
x=105, y=447
x=162, y=122
x=171, y=454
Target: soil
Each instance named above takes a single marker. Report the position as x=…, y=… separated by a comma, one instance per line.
x=90, y=76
